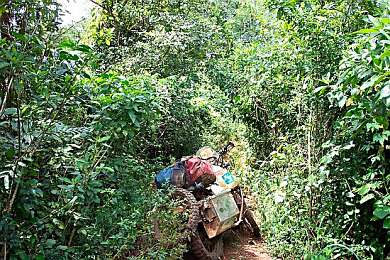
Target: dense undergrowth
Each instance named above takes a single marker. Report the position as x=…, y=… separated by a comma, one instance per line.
x=89, y=113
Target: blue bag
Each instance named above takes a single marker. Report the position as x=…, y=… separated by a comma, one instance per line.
x=164, y=176
x=174, y=175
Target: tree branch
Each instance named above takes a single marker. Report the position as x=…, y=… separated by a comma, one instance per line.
x=96, y=3
x=108, y=10
x=5, y=97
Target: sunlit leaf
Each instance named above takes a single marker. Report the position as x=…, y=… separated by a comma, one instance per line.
x=364, y=31
x=367, y=198
x=364, y=189
x=385, y=92
x=104, y=139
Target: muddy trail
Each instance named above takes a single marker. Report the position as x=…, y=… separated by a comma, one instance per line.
x=240, y=244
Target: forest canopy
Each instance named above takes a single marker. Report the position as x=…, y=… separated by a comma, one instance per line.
x=89, y=112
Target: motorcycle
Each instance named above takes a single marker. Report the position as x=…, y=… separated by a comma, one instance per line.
x=215, y=209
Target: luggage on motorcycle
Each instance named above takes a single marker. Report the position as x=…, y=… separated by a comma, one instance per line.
x=220, y=212
x=206, y=152
x=186, y=172
x=163, y=177
x=174, y=175
x=178, y=177
x=199, y=170
x=224, y=178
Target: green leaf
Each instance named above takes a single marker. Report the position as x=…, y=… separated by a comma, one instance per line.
x=73, y=200
x=84, y=48
x=10, y=153
x=382, y=212
x=104, y=139
x=367, y=31
x=22, y=164
x=109, y=169
x=321, y=89
x=50, y=243
x=373, y=126
x=385, y=54
x=62, y=247
x=367, y=198
x=59, y=223
x=2, y=10
x=364, y=189
x=374, y=20
x=386, y=223
x=132, y=116
x=67, y=44
x=326, y=159
x=384, y=20
x=369, y=83
x=381, y=138
x=67, y=180
x=4, y=64
x=10, y=111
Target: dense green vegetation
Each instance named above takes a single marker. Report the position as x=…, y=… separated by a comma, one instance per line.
x=89, y=113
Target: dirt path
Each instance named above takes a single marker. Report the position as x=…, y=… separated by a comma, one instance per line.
x=240, y=245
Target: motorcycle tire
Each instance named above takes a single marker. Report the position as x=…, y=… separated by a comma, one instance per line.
x=192, y=206
x=201, y=246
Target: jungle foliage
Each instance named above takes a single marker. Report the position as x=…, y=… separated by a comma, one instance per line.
x=89, y=113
